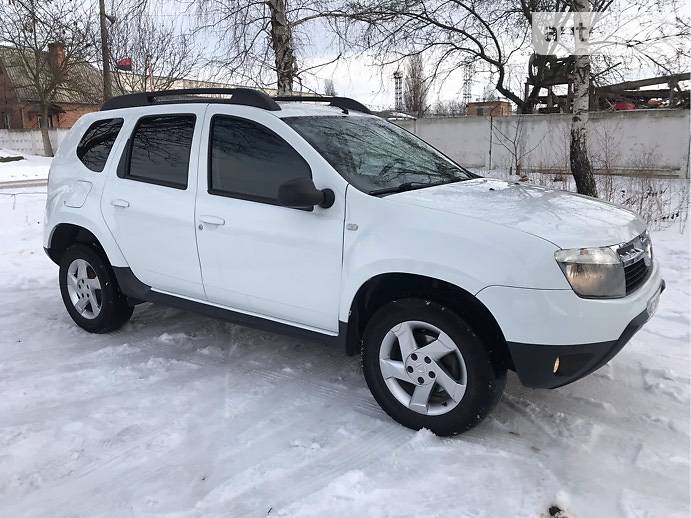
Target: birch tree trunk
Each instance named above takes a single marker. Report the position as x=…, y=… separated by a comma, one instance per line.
x=282, y=43
x=581, y=168
x=47, y=146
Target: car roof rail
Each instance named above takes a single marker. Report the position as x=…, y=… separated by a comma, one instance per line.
x=242, y=96
x=345, y=103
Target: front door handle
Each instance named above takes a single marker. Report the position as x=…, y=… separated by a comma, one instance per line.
x=120, y=203
x=212, y=220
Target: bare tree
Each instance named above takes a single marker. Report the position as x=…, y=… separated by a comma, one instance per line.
x=451, y=34
x=439, y=109
x=453, y=108
x=649, y=45
x=415, y=87
x=581, y=168
x=261, y=38
x=52, y=44
x=159, y=54
x=494, y=33
x=511, y=136
x=329, y=88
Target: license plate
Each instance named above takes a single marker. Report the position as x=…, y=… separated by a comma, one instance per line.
x=653, y=303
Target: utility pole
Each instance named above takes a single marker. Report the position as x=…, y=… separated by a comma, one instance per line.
x=105, y=52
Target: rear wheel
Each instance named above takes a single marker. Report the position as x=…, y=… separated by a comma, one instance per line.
x=427, y=368
x=89, y=291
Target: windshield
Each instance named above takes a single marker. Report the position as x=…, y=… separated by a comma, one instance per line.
x=377, y=156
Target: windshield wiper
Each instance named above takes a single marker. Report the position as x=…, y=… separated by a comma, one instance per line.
x=409, y=186
x=405, y=186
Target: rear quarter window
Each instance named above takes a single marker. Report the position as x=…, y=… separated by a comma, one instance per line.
x=94, y=147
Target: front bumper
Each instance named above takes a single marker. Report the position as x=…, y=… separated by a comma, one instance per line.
x=535, y=364
x=560, y=317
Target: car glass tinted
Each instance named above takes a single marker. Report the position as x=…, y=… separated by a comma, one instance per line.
x=250, y=161
x=375, y=155
x=94, y=147
x=161, y=148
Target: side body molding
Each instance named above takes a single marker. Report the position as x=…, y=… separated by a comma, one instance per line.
x=139, y=292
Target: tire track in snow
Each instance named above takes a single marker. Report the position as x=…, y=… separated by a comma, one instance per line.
x=287, y=486
x=249, y=420
x=580, y=435
x=130, y=462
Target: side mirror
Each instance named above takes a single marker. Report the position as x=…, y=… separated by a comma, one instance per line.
x=300, y=193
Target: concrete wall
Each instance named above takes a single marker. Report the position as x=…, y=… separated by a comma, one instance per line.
x=627, y=142
x=29, y=142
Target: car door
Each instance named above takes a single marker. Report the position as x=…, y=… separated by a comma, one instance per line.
x=257, y=256
x=148, y=204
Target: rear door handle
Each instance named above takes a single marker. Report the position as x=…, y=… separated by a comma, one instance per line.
x=212, y=220
x=120, y=203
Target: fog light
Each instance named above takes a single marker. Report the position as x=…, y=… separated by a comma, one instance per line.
x=556, y=365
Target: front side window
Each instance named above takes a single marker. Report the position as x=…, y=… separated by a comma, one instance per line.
x=160, y=149
x=377, y=156
x=94, y=147
x=249, y=161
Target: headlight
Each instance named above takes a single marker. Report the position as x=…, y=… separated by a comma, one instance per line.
x=593, y=272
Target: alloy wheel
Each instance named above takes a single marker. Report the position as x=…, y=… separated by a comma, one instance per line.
x=84, y=288
x=423, y=368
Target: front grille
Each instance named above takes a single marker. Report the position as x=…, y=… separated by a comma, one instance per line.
x=637, y=257
x=636, y=274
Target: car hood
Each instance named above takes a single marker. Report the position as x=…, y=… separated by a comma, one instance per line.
x=568, y=220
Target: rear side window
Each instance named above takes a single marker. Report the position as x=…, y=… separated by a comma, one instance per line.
x=249, y=161
x=159, y=150
x=98, y=140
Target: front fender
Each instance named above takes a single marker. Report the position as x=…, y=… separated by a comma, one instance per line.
x=384, y=235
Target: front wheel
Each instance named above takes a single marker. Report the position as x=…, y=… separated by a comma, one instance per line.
x=427, y=368
x=90, y=292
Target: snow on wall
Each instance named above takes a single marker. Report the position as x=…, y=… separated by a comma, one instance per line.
x=626, y=142
x=29, y=141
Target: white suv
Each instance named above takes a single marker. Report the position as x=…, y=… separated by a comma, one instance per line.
x=330, y=223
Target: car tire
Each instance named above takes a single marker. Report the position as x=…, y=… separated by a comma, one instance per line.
x=427, y=368
x=90, y=292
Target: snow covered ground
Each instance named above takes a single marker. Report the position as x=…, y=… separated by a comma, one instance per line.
x=31, y=167
x=179, y=415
